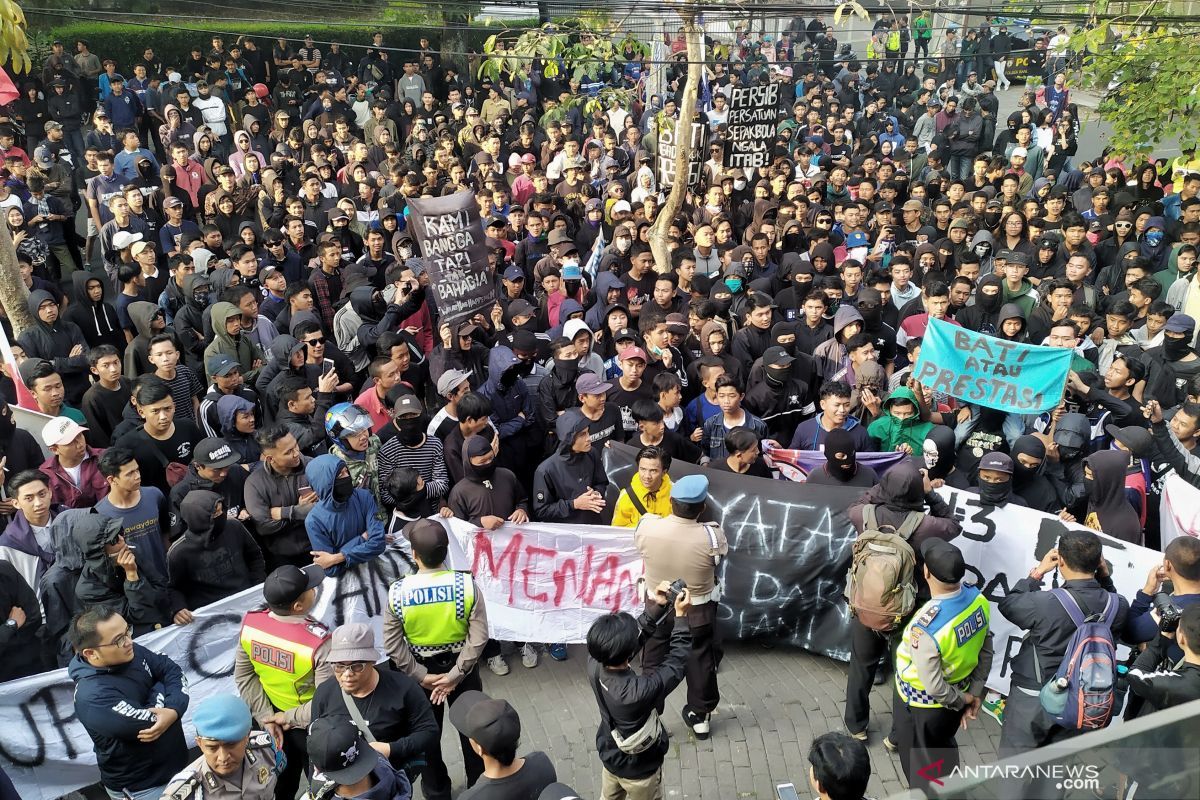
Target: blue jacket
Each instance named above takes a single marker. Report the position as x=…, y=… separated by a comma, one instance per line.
x=335, y=527
x=507, y=401
x=113, y=705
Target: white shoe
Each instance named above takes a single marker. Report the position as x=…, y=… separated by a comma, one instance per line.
x=529, y=656
x=498, y=665
x=702, y=728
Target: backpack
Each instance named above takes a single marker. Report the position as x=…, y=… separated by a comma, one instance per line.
x=1082, y=694
x=881, y=587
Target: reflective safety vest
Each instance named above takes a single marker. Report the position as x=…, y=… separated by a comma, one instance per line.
x=958, y=626
x=435, y=608
x=284, y=656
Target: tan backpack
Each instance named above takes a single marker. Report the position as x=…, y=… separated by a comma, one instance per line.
x=881, y=586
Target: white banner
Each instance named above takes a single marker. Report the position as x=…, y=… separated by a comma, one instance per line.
x=1179, y=511
x=542, y=583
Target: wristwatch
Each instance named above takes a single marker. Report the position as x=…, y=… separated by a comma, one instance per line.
x=12, y=623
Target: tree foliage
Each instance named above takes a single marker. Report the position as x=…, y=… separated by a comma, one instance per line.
x=1147, y=80
x=14, y=47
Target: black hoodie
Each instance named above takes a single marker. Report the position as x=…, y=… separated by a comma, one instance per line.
x=144, y=603
x=480, y=493
x=54, y=343
x=215, y=557
x=97, y=320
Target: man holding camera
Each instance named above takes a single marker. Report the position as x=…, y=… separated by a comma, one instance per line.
x=1161, y=681
x=631, y=740
x=680, y=546
x=1171, y=587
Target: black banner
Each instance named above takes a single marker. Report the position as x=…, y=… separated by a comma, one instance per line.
x=668, y=148
x=753, y=113
x=789, y=550
x=450, y=236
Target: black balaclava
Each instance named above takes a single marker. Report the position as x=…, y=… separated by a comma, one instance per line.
x=343, y=487
x=566, y=369
x=839, y=442
x=784, y=329
x=474, y=447
x=996, y=494
x=990, y=303
x=411, y=429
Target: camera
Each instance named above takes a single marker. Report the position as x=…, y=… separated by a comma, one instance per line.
x=1168, y=612
x=679, y=584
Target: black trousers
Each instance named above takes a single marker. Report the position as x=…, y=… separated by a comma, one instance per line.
x=435, y=778
x=295, y=747
x=867, y=647
x=923, y=736
x=702, y=692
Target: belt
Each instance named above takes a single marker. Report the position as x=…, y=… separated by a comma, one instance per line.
x=429, y=651
x=913, y=695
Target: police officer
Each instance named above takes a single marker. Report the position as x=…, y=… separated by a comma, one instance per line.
x=282, y=657
x=434, y=630
x=235, y=762
x=680, y=546
x=941, y=663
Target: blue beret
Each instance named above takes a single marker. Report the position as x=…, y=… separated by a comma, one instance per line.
x=690, y=489
x=225, y=718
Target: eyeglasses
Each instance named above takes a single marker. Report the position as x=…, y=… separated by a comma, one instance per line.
x=353, y=667
x=1123, y=225
x=317, y=341
x=123, y=640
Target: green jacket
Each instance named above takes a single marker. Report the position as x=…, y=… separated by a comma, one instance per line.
x=1024, y=297
x=892, y=432
x=241, y=349
x=922, y=29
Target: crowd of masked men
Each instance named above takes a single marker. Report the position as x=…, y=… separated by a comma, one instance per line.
x=246, y=342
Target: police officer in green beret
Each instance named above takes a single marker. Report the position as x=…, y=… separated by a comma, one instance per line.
x=235, y=762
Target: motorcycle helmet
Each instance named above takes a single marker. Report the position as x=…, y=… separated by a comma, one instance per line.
x=346, y=419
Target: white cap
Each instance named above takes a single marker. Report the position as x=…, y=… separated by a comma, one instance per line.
x=573, y=327
x=61, y=430
x=1020, y=151
x=621, y=205
x=123, y=239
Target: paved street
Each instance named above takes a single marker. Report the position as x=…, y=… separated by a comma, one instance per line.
x=773, y=703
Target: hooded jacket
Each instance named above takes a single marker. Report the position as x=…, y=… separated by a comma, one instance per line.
x=1031, y=483
x=511, y=400
x=1011, y=311
x=237, y=159
x=480, y=495
x=892, y=432
x=1109, y=510
x=939, y=453
x=605, y=281
x=54, y=343
x=215, y=557
x=113, y=705
x=189, y=321
x=831, y=356
x=565, y=475
x=96, y=320
x=337, y=527
x=137, y=361
x=1025, y=296
x=228, y=406
x=144, y=603
x=239, y=348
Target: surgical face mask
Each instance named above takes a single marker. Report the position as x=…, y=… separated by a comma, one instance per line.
x=1154, y=238
x=623, y=244
x=739, y=185
x=734, y=284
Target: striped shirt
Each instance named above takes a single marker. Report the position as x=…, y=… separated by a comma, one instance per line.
x=427, y=460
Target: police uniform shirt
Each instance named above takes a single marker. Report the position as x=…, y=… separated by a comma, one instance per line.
x=259, y=773
x=396, y=645
x=927, y=660
x=674, y=547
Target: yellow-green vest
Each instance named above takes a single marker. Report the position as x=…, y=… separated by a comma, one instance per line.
x=435, y=608
x=958, y=626
x=284, y=656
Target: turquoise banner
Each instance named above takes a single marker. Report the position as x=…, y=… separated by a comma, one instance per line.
x=986, y=371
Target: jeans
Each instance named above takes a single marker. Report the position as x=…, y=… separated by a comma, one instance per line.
x=960, y=167
x=1014, y=427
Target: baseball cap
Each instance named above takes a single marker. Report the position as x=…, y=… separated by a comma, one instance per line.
x=172, y=202
x=777, y=357
x=1136, y=438
x=626, y=334
x=520, y=308
x=451, y=379
x=215, y=453
x=677, y=323
x=354, y=641
x=123, y=239
x=52, y=125
x=494, y=724
x=339, y=751
x=407, y=404
x=514, y=273
x=590, y=383
x=467, y=328
x=944, y=560
x=961, y=222
x=61, y=430
x=633, y=352
x=221, y=365
x=913, y=205
x=1181, y=323
x=496, y=221
x=998, y=462
x=285, y=585
x=621, y=205
x=1020, y=151
x=138, y=247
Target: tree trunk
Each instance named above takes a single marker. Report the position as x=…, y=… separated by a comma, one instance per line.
x=13, y=294
x=683, y=138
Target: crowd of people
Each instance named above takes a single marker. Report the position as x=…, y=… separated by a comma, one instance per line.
x=248, y=379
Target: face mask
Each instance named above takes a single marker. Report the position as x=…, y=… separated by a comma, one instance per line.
x=871, y=315
x=1068, y=453
x=989, y=302
x=566, y=368
x=734, y=284
x=983, y=249
x=1175, y=349
x=994, y=494
x=777, y=376
x=405, y=253
x=789, y=348
x=571, y=286
x=411, y=431
x=1022, y=471
x=991, y=218
x=1154, y=238
x=624, y=244
x=200, y=298
x=722, y=304
x=929, y=452
x=1089, y=485
x=485, y=472
x=342, y=489
x=739, y=185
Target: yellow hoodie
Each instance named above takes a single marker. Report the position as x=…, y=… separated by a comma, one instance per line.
x=626, y=516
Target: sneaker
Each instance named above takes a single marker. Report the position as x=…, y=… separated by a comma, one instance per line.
x=699, y=723
x=861, y=736
x=498, y=665
x=558, y=651
x=529, y=656
x=889, y=745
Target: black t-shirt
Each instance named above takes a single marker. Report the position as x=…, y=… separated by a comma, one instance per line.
x=606, y=428
x=622, y=400
x=527, y=783
x=397, y=712
x=758, y=469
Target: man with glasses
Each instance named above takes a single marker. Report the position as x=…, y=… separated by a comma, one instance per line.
x=130, y=700
x=388, y=707
x=283, y=656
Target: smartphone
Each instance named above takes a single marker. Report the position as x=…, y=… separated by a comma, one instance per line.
x=786, y=791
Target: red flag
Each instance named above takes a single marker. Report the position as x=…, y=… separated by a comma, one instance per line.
x=8, y=90
x=24, y=396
